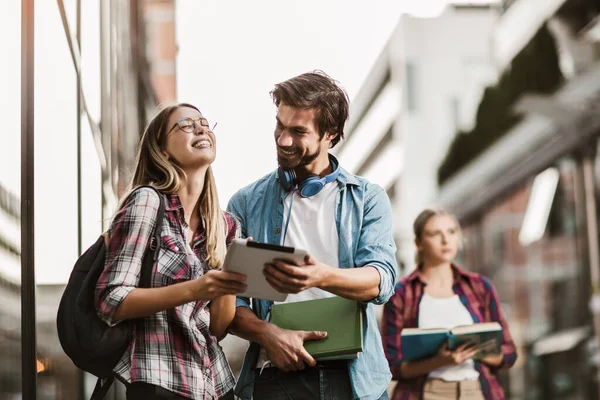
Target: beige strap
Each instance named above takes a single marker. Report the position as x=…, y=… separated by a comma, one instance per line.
x=106, y=238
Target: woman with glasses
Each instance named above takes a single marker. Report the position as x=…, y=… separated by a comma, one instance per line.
x=175, y=353
x=439, y=294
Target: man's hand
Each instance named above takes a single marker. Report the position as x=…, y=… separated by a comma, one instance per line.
x=285, y=348
x=289, y=277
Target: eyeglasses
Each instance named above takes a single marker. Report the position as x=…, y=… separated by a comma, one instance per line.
x=188, y=124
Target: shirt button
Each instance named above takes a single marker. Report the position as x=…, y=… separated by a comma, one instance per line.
x=277, y=230
x=280, y=201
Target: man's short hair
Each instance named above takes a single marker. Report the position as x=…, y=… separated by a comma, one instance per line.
x=316, y=90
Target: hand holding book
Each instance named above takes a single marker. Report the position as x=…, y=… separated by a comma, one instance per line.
x=455, y=357
x=285, y=348
x=419, y=344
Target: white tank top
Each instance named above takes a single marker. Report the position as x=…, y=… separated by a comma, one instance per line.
x=312, y=228
x=447, y=312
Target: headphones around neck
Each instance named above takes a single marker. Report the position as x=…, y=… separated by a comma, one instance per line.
x=311, y=185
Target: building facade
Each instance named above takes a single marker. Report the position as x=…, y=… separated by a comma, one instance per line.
x=424, y=86
x=528, y=202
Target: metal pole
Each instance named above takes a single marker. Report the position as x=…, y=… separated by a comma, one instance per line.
x=28, y=325
x=79, y=109
x=79, y=189
x=592, y=226
x=592, y=242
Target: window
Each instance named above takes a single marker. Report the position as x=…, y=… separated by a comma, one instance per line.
x=538, y=206
x=411, y=87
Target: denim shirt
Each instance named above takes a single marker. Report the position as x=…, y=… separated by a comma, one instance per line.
x=364, y=224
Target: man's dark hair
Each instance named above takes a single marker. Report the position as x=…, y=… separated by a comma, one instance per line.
x=316, y=90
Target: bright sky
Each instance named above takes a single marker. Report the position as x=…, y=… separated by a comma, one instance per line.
x=231, y=55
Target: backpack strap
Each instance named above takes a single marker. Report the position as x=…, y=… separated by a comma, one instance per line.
x=148, y=262
x=101, y=389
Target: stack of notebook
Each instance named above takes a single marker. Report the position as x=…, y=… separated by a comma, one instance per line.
x=341, y=318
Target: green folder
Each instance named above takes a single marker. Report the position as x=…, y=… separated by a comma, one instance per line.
x=339, y=317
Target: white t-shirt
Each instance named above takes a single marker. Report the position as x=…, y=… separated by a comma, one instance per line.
x=447, y=312
x=311, y=228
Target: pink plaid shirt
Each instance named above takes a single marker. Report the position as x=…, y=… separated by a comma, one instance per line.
x=478, y=295
x=175, y=349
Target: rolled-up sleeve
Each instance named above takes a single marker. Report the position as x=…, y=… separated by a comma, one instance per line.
x=376, y=246
x=508, y=348
x=235, y=207
x=130, y=235
x=392, y=324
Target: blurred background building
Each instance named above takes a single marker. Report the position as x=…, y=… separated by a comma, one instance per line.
x=493, y=112
x=524, y=184
x=425, y=85
x=120, y=58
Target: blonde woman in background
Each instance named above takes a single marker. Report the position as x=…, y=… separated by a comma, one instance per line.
x=439, y=294
x=175, y=353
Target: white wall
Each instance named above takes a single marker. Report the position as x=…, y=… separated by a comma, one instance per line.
x=452, y=64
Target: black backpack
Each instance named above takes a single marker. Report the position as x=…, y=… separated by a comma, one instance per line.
x=92, y=345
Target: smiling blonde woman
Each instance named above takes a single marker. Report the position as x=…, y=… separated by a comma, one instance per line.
x=175, y=353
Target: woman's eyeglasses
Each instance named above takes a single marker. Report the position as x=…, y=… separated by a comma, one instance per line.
x=188, y=125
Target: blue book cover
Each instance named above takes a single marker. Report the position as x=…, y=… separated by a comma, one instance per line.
x=419, y=344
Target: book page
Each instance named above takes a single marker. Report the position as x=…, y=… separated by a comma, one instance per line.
x=417, y=331
x=475, y=328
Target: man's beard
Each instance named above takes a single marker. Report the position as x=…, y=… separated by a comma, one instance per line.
x=293, y=163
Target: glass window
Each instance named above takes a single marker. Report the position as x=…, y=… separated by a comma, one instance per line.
x=56, y=129
x=55, y=191
x=90, y=56
x=10, y=186
x=411, y=87
x=91, y=189
x=539, y=280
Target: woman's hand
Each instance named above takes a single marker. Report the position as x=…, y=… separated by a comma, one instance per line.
x=458, y=356
x=216, y=283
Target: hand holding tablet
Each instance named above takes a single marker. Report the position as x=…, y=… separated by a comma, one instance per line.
x=249, y=258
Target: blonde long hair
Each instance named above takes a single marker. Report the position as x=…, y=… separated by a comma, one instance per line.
x=152, y=167
x=421, y=221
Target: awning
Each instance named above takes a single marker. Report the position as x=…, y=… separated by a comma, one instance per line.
x=561, y=341
x=529, y=148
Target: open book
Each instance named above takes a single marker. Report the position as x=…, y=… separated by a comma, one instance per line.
x=423, y=343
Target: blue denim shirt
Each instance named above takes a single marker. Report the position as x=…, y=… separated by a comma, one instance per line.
x=364, y=225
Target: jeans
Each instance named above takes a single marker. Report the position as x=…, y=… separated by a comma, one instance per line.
x=147, y=391
x=309, y=384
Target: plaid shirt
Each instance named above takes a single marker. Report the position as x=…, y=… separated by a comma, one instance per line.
x=175, y=349
x=402, y=311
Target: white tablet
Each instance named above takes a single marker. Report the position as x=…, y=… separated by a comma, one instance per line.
x=249, y=258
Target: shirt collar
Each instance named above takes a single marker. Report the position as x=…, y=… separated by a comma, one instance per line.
x=173, y=202
x=344, y=178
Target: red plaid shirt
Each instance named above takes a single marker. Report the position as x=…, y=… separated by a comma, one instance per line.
x=175, y=349
x=402, y=311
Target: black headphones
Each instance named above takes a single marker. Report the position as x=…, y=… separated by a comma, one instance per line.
x=311, y=185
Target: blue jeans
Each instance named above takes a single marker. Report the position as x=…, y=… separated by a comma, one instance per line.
x=309, y=384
